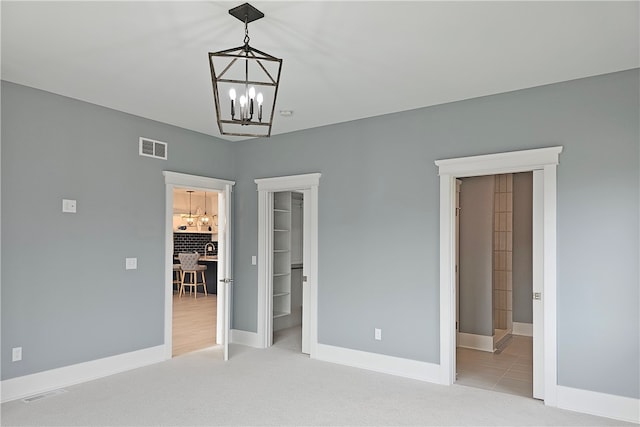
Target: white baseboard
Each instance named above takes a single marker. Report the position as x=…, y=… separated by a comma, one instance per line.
x=475, y=342
x=601, y=404
x=407, y=368
x=525, y=329
x=28, y=385
x=251, y=339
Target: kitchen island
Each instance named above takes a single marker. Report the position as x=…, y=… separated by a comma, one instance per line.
x=211, y=274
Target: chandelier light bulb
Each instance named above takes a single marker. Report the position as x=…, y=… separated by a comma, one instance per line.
x=252, y=92
x=232, y=95
x=243, y=101
x=260, y=107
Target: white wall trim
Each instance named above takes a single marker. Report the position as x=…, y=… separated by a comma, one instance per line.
x=41, y=382
x=544, y=160
x=525, y=329
x=288, y=183
x=251, y=339
x=491, y=164
x=195, y=181
x=600, y=404
x=476, y=342
x=414, y=369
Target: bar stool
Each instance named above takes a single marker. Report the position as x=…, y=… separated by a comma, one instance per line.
x=189, y=266
x=177, y=276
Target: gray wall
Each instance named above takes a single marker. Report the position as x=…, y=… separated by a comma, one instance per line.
x=476, y=255
x=522, y=247
x=378, y=220
x=66, y=297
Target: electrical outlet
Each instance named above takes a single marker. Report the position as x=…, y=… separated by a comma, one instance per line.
x=378, y=334
x=16, y=354
x=131, y=263
x=69, y=206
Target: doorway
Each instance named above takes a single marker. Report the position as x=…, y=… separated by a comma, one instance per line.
x=287, y=267
x=494, y=279
x=543, y=162
x=222, y=188
x=274, y=261
x=195, y=230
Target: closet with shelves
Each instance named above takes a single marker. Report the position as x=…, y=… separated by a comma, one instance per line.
x=281, y=254
x=286, y=273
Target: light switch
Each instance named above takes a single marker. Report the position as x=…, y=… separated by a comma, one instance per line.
x=254, y=260
x=131, y=263
x=68, y=206
x=16, y=354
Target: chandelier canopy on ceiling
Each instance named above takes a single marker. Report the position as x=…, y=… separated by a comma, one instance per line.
x=245, y=83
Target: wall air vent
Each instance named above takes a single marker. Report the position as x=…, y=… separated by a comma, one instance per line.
x=151, y=148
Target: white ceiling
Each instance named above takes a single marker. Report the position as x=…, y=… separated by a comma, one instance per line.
x=342, y=61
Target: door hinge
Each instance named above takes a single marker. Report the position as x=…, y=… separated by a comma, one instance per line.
x=537, y=295
x=304, y=278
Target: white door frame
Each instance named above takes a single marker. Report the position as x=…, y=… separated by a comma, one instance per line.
x=308, y=184
x=224, y=188
x=543, y=162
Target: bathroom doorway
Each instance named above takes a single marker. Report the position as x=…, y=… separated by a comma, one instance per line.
x=494, y=307
x=543, y=162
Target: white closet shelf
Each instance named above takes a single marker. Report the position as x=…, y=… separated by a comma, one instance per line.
x=277, y=314
x=280, y=294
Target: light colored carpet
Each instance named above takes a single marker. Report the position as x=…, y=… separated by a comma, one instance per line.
x=277, y=386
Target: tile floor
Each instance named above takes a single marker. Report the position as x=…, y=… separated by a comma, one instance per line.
x=509, y=371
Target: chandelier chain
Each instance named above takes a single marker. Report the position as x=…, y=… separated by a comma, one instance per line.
x=246, y=31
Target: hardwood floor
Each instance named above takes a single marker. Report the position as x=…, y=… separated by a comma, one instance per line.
x=194, y=323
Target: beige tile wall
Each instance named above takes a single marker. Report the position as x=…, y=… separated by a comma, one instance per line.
x=502, y=251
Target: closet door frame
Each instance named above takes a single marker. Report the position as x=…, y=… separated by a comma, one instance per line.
x=308, y=184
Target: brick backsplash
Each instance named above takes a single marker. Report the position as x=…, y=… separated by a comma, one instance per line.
x=191, y=242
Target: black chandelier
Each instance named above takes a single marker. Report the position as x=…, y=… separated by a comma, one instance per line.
x=250, y=78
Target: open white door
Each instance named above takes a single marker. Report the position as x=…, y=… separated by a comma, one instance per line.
x=224, y=265
x=538, y=284
x=306, y=262
x=457, y=243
